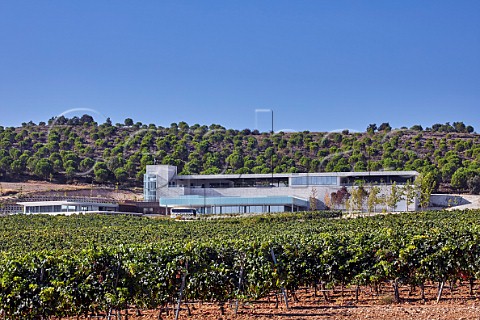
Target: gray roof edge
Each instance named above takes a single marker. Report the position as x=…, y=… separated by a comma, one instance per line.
x=289, y=175
x=64, y=202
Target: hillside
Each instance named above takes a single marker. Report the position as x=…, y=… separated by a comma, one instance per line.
x=80, y=150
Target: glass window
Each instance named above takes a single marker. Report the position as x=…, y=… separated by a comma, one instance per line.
x=314, y=180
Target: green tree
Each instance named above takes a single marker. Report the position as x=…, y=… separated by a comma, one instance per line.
x=101, y=172
x=235, y=160
x=70, y=172
x=130, y=167
x=417, y=127
x=385, y=127
x=358, y=195
x=448, y=170
x=360, y=166
x=474, y=184
x=86, y=164
x=120, y=174
x=410, y=194
x=5, y=163
x=461, y=176
x=371, y=128
x=460, y=127
x=313, y=199
x=44, y=168
x=17, y=167
x=394, y=196
x=373, y=198
x=86, y=119
x=425, y=184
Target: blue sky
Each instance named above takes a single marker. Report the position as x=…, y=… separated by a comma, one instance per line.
x=320, y=65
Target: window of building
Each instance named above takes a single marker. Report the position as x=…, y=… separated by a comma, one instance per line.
x=314, y=180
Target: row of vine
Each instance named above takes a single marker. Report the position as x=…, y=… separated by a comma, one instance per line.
x=63, y=283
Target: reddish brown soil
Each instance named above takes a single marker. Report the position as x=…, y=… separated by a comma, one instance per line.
x=9, y=190
x=456, y=304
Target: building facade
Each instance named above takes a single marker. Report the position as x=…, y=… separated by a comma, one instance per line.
x=66, y=207
x=243, y=193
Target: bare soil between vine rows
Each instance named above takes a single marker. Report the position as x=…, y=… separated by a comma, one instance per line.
x=457, y=304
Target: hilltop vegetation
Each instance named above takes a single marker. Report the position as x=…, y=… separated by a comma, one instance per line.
x=80, y=149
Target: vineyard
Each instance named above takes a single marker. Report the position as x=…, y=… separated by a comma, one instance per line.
x=88, y=264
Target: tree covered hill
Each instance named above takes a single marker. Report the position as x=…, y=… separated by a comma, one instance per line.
x=79, y=149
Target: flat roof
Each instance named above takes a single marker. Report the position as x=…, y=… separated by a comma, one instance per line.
x=291, y=175
x=199, y=201
x=65, y=202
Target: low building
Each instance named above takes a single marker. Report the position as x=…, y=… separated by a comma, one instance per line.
x=278, y=192
x=66, y=207
x=144, y=207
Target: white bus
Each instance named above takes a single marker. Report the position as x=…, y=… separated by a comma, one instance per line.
x=182, y=212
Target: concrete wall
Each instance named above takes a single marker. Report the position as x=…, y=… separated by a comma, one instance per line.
x=303, y=192
x=447, y=200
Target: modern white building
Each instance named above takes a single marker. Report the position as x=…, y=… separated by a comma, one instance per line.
x=66, y=207
x=243, y=193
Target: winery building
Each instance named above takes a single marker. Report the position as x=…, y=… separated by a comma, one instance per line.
x=245, y=193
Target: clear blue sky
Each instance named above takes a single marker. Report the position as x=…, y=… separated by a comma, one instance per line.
x=321, y=65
